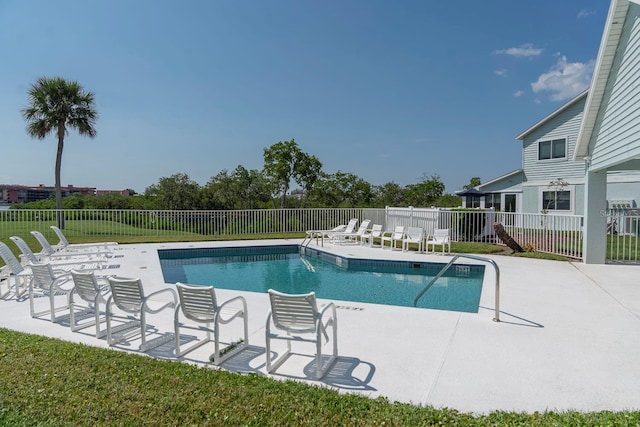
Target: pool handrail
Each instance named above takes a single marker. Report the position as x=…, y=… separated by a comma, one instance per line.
x=446, y=267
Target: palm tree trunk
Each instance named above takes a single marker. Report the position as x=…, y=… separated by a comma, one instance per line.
x=60, y=212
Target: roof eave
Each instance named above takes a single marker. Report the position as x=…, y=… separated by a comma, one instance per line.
x=500, y=178
x=606, y=55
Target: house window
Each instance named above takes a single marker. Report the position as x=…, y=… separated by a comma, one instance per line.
x=554, y=149
x=492, y=201
x=473, y=202
x=556, y=200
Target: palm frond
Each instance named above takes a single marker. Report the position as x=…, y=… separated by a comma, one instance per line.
x=55, y=102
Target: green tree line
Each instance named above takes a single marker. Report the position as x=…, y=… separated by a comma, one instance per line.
x=286, y=167
x=57, y=105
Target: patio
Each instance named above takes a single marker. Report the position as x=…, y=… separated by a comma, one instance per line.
x=566, y=340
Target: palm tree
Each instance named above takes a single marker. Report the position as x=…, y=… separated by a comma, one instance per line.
x=56, y=105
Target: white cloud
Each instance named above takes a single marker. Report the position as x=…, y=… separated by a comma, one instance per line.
x=585, y=13
x=565, y=79
x=523, y=51
x=502, y=72
x=518, y=94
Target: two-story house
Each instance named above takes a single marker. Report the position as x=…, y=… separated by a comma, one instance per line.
x=551, y=180
x=584, y=158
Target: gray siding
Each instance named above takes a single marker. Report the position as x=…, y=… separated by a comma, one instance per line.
x=617, y=128
x=503, y=187
x=565, y=125
x=624, y=191
x=530, y=200
x=578, y=197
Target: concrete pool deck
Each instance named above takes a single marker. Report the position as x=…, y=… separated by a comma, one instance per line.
x=569, y=336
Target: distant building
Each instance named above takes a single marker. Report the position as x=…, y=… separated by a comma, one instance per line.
x=127, y=192
x=24, y=194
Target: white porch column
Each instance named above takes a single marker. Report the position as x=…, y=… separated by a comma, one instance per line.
x=595, y=220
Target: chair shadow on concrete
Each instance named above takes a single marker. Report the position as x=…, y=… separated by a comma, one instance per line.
x=249, y=360
x=343, y=374
x=166, y=348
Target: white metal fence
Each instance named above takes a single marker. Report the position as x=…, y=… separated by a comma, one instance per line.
x=559, y=234
x=88, y=222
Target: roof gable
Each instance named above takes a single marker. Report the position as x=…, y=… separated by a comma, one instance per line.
x=551, y=116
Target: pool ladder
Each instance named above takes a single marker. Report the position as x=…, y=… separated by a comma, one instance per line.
x=446, y=267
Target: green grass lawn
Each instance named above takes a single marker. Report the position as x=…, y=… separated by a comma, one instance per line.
x=48, y=382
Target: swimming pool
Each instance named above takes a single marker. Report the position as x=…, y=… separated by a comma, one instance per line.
x=258, y=268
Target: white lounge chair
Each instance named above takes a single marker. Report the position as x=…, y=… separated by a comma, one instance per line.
x=13, y=273
x=50, y=283
x=414, y=235
x=88, y=294
x=350, y=228
x=296, y=318
x=128, y=297
x=355, y=236
x=84, y=262
x=321, y=234
x=200, y=305
x=396, y=236
x=49, y=250
x=440, y=238
x=63, y=243
x=374, y=233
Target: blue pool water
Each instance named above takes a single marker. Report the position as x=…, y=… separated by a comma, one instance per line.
x=283, y=268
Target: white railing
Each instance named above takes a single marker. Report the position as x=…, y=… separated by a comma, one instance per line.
x=559, y=234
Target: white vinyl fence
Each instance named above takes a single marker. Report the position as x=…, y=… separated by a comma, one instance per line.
x=558, y=234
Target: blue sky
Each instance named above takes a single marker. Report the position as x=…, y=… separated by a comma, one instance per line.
x=386, y=90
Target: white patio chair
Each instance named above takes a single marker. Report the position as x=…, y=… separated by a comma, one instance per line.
x=296, y=318
x=88, y=294
x=63, y=243
x=374, y=233
x=414, y=235
x=51, y=283
x=200, y=305
x=13, y=274
x=127, y=295
x=396, y=236
x=440, y=238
